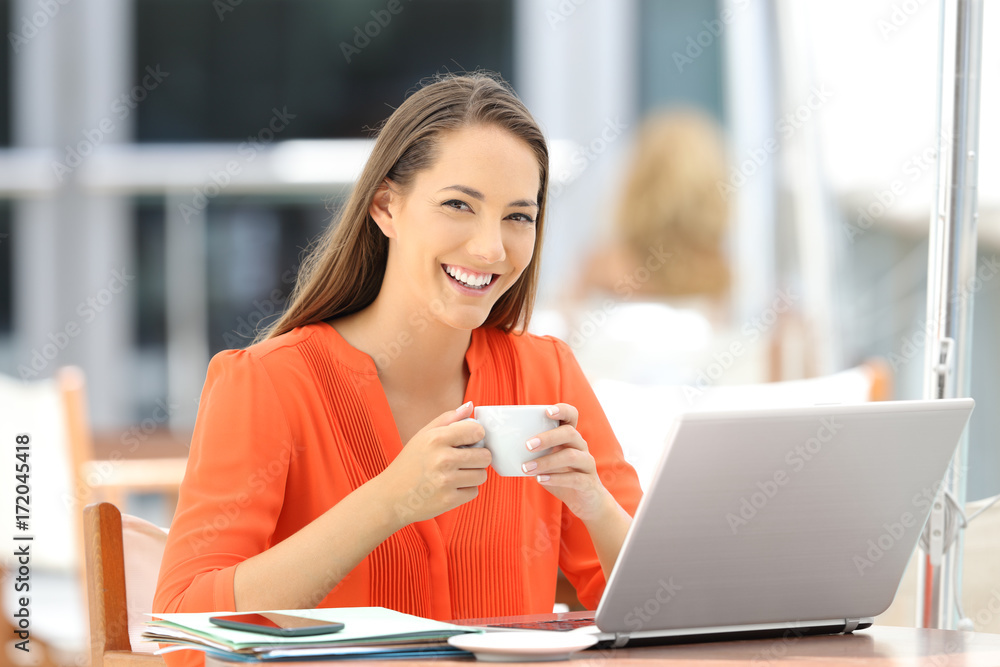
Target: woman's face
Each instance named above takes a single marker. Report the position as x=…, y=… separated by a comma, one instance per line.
x=464, y=231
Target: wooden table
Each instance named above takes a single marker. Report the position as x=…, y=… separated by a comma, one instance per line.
x=882, y=646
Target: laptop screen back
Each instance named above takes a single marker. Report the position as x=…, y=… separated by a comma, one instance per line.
x=788, y=515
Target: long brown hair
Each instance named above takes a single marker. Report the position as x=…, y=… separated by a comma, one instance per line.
x=343, y=271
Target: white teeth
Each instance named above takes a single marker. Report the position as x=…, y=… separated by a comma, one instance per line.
x=471, y=281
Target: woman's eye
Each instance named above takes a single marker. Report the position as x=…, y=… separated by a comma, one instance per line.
x=522, y=217
x=457, y=204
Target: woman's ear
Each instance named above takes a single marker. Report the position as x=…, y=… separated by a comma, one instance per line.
x=380, y=209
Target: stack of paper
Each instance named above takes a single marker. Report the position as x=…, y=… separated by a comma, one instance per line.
x=369, y=632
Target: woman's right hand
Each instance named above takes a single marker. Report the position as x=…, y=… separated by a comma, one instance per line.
x=435, y=473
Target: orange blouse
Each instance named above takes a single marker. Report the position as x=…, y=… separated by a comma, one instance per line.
x=290, y=426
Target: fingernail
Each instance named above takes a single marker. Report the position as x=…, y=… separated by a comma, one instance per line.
x=552, y=411
x=464, y=406
x=542, y=478
x=534, y=442
x=529, y=466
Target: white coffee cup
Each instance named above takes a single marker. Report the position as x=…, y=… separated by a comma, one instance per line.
x=508, y=428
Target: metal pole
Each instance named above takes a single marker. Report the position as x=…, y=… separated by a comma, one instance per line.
x=951, y=285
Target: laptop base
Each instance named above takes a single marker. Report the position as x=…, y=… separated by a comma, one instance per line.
x=583, y=621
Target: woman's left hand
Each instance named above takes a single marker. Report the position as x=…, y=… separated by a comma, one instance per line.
x=568, y=469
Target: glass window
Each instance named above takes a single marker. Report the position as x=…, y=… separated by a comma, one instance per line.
x=329, y=68
x=681, y=56
x=5, y=66
x=254, y=252
x=149, y=239
x=6, y=270
x=254, y=247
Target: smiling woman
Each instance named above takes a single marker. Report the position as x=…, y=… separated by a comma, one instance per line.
x=413, y=303
x=471, y=241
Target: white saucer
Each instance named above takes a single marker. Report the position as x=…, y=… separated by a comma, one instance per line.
x=527, y=646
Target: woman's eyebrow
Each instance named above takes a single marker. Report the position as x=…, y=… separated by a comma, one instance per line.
x=476, y=194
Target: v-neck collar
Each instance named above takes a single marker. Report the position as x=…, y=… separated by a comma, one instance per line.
x=362, y=364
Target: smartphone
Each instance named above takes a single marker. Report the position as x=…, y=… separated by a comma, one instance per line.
x=283, y=625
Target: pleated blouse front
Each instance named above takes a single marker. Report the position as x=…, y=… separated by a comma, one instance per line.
x=290, y=426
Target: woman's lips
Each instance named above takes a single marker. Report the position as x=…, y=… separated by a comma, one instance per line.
x=458, y=275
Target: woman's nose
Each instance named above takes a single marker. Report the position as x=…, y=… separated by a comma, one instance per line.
x=487, y=243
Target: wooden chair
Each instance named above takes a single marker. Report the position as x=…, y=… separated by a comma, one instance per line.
x=113, y=479
x=123, y=558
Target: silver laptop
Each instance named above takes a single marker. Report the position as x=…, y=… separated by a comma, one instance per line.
x=773, y=522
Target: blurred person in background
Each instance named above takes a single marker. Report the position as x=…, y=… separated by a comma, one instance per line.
x=653, y=302
x=328, y=465
x=670, y=200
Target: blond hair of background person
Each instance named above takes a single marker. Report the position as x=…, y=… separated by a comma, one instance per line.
x=652, y=303
x=670, y=199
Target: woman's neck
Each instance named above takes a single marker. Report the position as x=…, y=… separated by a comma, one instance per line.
x=410, y=352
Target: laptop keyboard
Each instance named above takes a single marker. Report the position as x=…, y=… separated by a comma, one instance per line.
x=557, y=625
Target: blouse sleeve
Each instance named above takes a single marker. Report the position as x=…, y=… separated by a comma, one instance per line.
x=233, y=487
x=577, y=557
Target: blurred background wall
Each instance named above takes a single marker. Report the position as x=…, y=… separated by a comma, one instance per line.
x=164, y=162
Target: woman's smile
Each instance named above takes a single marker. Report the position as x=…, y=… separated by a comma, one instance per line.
x=469, y=281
